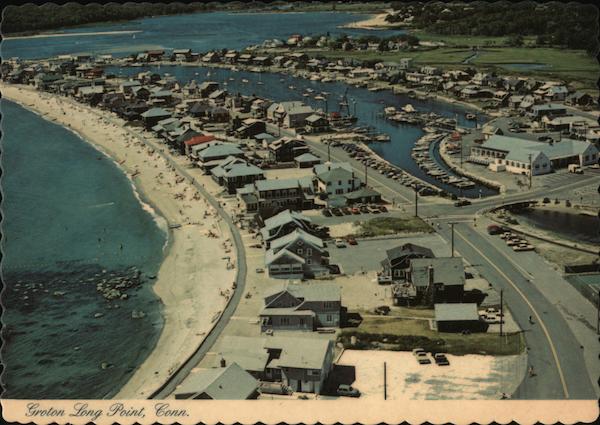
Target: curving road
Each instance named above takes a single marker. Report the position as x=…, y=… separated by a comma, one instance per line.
x=185, y=368
x=554, y=352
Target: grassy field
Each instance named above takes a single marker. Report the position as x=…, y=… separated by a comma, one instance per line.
x=573, y=66
x=402, y=334
x=467, y=40
x=391, y=225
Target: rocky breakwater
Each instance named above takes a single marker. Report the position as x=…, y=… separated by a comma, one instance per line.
x=114, y=286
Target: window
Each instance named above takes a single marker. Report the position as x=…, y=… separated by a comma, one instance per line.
x=300, y=242
x=349, y=181
x=302, y=321
x=299, y=251
x=308, y=261
x=285, y=320
x=339, y=182
x=308, y=251
x=329, y=318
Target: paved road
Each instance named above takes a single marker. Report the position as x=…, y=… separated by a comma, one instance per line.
x=554, y=352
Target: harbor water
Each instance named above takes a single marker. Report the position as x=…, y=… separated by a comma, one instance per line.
x=367, y=105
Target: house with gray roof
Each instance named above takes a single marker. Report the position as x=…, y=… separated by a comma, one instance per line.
x=302, y=364
x=285, y=149
x=274, y=195
x=210, y=155
x=297, y=255
x=458, y=317
x=336, y=178
x=397, y=261
x=440, y=279
x=282, y=224
x=307, y=160
x=152, y=116
x=234, y=173
x=302, y=307
x=229, y=382
x=521, y=156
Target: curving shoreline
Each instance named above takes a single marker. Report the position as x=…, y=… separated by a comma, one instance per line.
x=188, y=303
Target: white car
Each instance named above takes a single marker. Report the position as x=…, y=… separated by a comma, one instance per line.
x=339, y=243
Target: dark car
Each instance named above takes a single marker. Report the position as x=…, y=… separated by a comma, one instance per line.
x=327, y=212
x=462, y=203
x=346, y=211
x=351, y=240
x=382, y=310
x=441, y=359
x=382, y=208
x=494, y=229
x=545, y=139
x=337, y=212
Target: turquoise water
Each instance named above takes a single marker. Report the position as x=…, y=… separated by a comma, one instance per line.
x=67, y=211
x=199, y=32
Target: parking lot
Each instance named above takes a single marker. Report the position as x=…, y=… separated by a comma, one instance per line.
x=469, y=377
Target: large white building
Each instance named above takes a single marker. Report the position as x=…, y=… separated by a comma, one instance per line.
x=520, y=155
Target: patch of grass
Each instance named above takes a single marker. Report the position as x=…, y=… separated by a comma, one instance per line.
x=391, y=225
x=406, y=334
x=468, y=40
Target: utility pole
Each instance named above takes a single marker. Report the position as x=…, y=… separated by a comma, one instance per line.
x=452, y=238
x=501, y=309
x=329, y=150
x=416, y=201
x=384, y=380
x=530, y=172
x=598, y=319
x=366, y=175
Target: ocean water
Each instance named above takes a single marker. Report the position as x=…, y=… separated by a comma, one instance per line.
x=71, y=221
x=198, y=31
x=369, y=107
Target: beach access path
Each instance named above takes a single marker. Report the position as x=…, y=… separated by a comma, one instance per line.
x=193, y=282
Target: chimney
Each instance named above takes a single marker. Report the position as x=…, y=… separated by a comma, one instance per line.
x=223, y=362
x=430, y=274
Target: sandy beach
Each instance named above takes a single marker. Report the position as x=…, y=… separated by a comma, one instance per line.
x=194, y=282
x=374, y=22
x=70, y=34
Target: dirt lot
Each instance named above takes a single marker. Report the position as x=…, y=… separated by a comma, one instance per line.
x=470, y=377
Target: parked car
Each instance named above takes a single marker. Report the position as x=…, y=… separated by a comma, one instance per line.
x=347, y=391
x=259, y=270
x=421, y=356
x=346, y=211
x=374, y=209
x=351, y=240
x=364, y=209
x=545, y=139
x=382, y=310
x=462, y=203
x=327, y=212
x=355, y=210
x=441, y=359
x=494, y=229
x=337, y=212
x=382, y=208
x=339, y=243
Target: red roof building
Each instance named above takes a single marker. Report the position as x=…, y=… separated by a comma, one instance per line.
x=197, y=140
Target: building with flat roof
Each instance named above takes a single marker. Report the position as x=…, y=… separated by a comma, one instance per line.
x=458, y=317
x=519, y=156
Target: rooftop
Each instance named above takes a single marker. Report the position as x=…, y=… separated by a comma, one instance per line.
x=456, y=312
